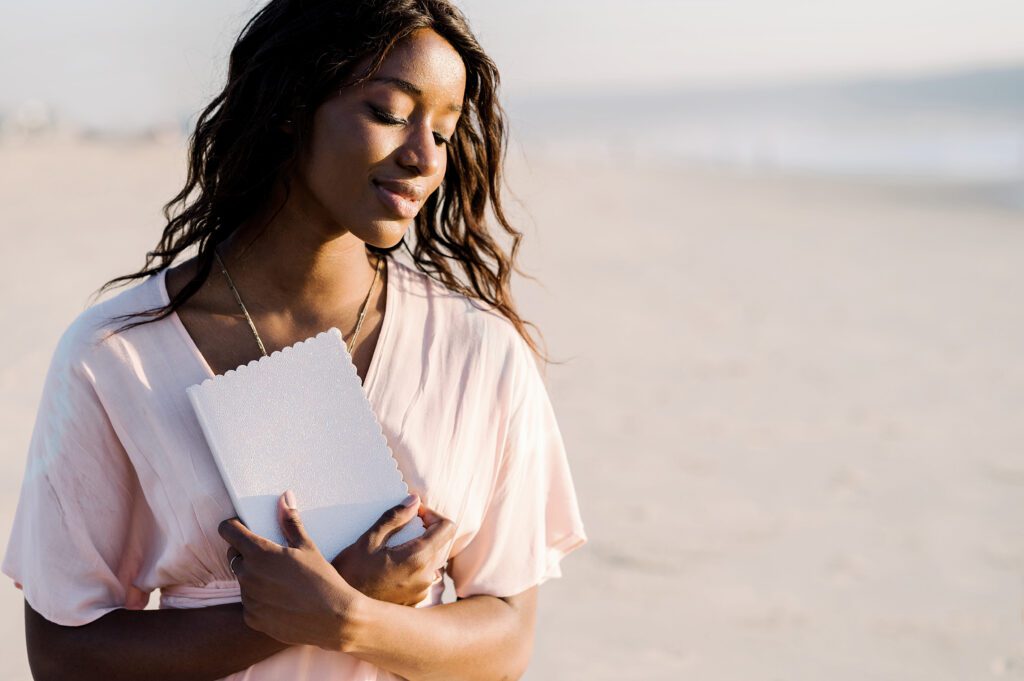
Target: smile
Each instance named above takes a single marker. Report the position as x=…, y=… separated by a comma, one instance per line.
x=398, y=204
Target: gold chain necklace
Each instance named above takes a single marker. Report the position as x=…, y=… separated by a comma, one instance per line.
x=359, y=323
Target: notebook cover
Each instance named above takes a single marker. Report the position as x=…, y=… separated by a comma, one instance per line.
x=299, y=419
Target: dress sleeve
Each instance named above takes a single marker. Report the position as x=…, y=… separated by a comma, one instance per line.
x=532, y=519
x=82, y=523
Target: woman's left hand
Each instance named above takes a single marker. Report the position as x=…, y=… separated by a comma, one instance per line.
x=290, y=592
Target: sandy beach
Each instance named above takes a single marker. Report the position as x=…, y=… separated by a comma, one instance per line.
x=792, y=406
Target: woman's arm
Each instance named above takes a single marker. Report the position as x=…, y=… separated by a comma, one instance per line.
x=293, y=594
x=481, y=638
x=197, y=644
x=213, y=642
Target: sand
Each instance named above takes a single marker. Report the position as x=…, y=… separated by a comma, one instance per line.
x=792, y=405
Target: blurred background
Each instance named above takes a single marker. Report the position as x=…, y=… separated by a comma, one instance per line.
x=781, y=253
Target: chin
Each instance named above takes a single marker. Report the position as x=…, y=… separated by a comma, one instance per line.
x=386, y=233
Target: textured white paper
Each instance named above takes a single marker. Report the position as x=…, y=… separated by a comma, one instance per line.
x=299, y=419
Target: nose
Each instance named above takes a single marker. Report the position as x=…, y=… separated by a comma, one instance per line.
x=421, y=152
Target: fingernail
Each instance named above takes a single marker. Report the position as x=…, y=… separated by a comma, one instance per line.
x=289, y=500
x=410, y=500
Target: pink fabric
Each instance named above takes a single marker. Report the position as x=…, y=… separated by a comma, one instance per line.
x=121, y=496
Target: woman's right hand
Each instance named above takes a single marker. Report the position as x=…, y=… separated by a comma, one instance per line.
x=402, y=574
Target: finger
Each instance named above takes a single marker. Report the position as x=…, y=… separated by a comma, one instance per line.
x=429, y=515
x=236, y=535
x=432, y=543
x=440, y=537
x=391, y=521
x=440, y=532
x=291, y=522
x=235, y=564
x=243, y=539
x=435, y=526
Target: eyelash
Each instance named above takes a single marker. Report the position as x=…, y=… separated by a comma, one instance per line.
x=388, y=119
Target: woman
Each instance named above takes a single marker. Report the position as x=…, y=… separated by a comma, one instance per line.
x=339, y=123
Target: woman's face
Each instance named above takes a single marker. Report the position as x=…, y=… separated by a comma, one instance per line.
x=378, y=150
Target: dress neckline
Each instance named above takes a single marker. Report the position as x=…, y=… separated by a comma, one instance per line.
x=380, y=348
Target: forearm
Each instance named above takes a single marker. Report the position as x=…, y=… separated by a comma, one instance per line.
x=169, y=645
x=473, y=639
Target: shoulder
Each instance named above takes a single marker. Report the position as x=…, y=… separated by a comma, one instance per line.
x=93, y=328
x=468, y=324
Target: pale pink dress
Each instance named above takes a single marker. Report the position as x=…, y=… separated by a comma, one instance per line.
x=121, y=496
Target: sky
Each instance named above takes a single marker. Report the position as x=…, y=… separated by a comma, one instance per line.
x=110, y=63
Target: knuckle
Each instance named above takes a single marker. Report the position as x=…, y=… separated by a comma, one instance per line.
x=351, y=553
x=435, y=540
x=373, y=537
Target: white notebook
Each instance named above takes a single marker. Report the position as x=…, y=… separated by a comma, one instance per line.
x=299, y=419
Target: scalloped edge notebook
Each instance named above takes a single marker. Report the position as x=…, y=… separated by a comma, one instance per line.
x=299, y=419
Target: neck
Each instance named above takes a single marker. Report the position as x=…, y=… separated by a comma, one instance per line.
x=294, y=269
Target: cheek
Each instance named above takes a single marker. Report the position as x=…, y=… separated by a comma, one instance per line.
x=341, y=160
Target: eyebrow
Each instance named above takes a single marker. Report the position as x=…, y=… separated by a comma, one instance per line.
x=411, y=89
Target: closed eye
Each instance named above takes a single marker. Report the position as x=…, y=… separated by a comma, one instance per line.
x=385, y=117
x=388, y=119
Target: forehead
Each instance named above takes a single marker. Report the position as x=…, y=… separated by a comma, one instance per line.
x=424, y=65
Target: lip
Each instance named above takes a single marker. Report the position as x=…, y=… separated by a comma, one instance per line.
x=403, y=199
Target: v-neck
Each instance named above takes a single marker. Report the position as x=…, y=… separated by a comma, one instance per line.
x=378, y=350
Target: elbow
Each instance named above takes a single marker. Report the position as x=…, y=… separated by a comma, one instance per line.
x=43, y=669
x=521, y=654
x=50, y=661
x=53, y=654
x=521, y=662
x=56, y=660
x=525, y=628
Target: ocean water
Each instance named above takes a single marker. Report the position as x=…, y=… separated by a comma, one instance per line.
x=962, y=129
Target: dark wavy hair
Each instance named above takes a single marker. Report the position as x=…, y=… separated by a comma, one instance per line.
x=288, y=59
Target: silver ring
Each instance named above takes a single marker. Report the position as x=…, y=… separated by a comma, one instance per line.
x=231, y=563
